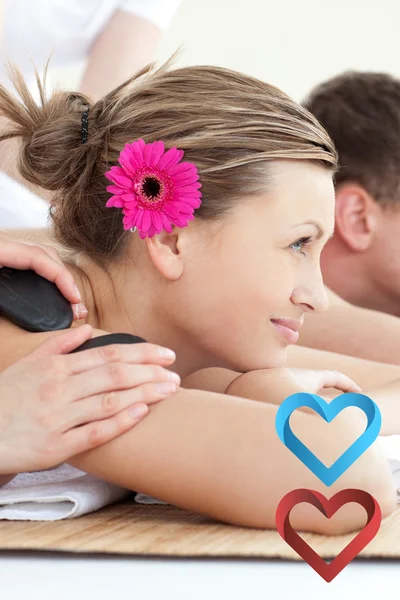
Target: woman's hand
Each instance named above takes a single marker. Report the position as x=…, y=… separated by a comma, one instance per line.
x=274, y=385
x=313, y=380
x=45, y=260
x=54, y=405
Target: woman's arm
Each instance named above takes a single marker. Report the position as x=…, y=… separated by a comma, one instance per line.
x=384, y=391
x=220, y=455
x=366, y=373
x=348, y=329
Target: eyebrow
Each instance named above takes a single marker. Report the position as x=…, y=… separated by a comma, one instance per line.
x=317, y=226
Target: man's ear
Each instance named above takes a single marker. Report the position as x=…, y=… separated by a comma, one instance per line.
x=356, y=216
x=165, y=252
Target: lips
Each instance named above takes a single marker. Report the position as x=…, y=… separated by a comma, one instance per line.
x=293, y=324
x=288, y=328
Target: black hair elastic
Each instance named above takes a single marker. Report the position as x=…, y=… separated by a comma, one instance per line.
x=84, y=134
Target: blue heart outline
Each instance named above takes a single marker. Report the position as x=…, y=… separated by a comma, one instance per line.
x=328, y=475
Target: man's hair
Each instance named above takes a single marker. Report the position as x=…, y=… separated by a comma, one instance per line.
x=361, y=113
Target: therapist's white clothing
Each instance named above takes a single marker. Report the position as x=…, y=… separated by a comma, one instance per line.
x=66, y=29
x=34, y=29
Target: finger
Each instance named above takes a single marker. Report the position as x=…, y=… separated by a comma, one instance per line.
x=340, y=381
x=54, y=270
x=47, y=248
x=80, y=311
x=63, y=343
x=103, y=406
x=53, y=252
x=81, y=439
x=21, y=255
x=116, y=376
x=143, y=353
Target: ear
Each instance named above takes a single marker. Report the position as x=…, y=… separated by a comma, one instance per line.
x=356, y=216
x=165, y=252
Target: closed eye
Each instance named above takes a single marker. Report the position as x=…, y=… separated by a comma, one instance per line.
x=304, y=241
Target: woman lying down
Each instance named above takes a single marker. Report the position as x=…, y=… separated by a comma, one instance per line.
x=194, y=204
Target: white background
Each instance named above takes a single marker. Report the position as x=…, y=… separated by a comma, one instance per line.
x=293, y=44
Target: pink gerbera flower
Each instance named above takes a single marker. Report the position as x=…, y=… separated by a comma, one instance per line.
x=154, y=189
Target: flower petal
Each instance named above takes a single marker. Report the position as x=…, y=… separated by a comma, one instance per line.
x=184, y=179
x=183, y=167
x=115, y=189
x=158, y=152
x=115, y=201
x=119, y=176
x=153, y=153
x=189, y=201
x=170, y=158
x=139, y=218
x=138, y=148
x=146, y=221
x=153, y=231
x=191, y=187
x=167, y=225
x=128, y=222
x=157, y=221
x=129, y=198
x=130, y=161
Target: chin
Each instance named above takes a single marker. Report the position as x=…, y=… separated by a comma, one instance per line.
x=272, y=359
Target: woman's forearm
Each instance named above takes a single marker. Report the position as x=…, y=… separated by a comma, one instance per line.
x=366, y=373
x=219, y=455
x=264, y=386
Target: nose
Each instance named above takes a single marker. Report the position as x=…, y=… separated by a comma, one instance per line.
x=311, y=292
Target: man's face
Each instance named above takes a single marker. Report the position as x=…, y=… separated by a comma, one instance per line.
x=362, y=262
x=384, y=261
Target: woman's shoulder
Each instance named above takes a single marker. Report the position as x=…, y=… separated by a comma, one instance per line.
x=15, y=343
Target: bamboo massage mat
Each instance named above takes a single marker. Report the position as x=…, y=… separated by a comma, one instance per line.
x=129, y=528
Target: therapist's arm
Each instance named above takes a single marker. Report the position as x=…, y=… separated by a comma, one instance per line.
x=348, y=329
x=41, y=236
x=125, y=46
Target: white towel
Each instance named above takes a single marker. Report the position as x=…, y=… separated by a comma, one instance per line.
x=390, y=446
x=59, y=493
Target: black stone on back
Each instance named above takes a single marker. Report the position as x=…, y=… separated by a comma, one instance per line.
x=32, y=302
x=109, y=338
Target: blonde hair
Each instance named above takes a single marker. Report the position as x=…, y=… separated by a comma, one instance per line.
x=228, y=124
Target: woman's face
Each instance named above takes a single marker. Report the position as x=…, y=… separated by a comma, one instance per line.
x=257, y=268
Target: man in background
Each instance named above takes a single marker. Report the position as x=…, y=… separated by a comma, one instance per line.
x=361, y=112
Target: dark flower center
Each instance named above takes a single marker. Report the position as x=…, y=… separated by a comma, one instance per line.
x=151, y=188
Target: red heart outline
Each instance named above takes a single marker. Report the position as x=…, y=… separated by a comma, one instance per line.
x=328, y=507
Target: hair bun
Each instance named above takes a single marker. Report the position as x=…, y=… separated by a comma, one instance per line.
x=52, y=153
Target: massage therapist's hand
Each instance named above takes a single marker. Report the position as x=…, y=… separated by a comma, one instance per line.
x=45, y=260
x=274, y=385
x=55, y=405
